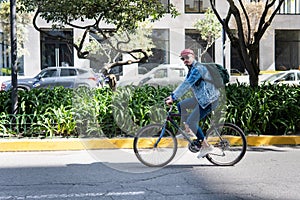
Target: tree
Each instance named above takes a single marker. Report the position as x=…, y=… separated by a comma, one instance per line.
x=209, y=28
x=247, y=35
x=89, y=16
x=100, y=50
x=23, y=19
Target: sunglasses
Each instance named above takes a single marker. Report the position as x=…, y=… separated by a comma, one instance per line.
x=185, y=58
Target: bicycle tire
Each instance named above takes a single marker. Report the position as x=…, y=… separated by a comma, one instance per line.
x=230, y=147
x=154, y=156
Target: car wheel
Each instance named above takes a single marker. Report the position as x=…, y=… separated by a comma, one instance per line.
x=153, y=85
x=82, y=86
x=23, y=89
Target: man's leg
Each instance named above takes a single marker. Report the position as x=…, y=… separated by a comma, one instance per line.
x=184, y=106
x=193, y=120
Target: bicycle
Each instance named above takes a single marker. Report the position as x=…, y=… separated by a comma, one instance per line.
x=155, y=145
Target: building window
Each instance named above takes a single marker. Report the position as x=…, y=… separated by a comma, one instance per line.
x=290, y=7
x=287, y=49
x=166, y=4
x=161, y=52
x=55, y=52
x=196, y=6
x=194, y=41
x=236, y=63
x=4, y=56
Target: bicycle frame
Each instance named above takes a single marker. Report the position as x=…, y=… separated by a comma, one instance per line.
x=169, y=118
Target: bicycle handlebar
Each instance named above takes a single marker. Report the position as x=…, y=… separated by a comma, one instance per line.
x=170, y=107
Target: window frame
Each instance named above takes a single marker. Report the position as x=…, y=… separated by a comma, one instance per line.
x=288, y=8
x=286, y=55
x=194, y=41
x=63, y=53
x=166, y=4
x=199, y=10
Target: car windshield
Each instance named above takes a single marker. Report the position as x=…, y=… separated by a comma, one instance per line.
x=178, y=72
x=48, y=73
x=289, y=77
x=161, y=73
x=273, y=77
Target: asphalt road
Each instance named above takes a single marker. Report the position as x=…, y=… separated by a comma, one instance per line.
x=265, y=173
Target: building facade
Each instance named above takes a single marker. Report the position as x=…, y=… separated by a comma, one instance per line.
x=279, y=48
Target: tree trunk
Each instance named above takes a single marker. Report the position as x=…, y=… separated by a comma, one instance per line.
x=254, y=59
x=252, y=71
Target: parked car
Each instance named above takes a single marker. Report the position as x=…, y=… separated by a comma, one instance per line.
x=68, y=77
x=163, y=75
x=290, y=77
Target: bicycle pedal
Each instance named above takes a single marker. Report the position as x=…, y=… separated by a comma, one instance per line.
x=193, y=149
x=197, y=143
x=195, y=146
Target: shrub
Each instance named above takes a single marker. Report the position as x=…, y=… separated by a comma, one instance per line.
x=82, y=112
x=268, y=109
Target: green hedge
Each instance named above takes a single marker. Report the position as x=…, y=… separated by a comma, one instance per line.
x=268, y=110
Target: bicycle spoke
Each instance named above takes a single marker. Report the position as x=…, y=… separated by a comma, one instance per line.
x=152, y=150
x=229, y=141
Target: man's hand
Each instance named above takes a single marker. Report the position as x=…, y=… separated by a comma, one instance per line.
x=169, y=100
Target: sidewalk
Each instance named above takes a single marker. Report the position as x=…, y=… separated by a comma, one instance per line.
x=12, y=145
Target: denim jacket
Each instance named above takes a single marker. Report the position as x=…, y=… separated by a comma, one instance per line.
x=204, y=91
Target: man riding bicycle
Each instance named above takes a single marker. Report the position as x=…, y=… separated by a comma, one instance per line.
x=205, y=98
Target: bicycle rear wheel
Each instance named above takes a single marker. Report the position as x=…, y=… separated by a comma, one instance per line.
x=230, y=144
x=153, y=150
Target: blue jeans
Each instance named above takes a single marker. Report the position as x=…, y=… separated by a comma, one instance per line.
x=193, y=117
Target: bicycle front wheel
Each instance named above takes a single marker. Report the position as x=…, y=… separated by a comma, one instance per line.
x=154, y=148
x=230, y=144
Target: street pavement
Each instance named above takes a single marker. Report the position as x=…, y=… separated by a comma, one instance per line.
x=265, y=173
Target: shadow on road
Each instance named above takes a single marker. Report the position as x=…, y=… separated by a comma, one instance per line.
x=66, y=175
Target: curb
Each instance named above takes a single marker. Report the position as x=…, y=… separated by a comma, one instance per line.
x=19, y=145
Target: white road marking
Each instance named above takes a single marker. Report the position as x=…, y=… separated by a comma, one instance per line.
x=78, y=195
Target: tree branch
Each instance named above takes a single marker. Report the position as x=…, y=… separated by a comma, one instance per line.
x=247, y=20
x=264, y=25
x=108, y=66
x=78, y=48
x=224, y=22
x=235, y=12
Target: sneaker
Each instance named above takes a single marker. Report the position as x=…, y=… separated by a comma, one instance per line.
x=205, y=150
